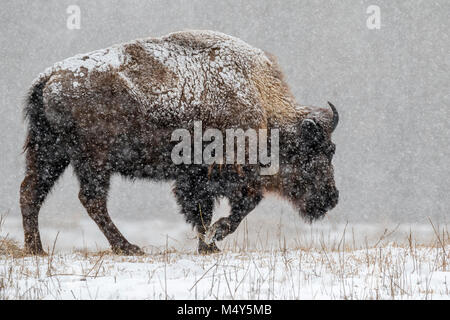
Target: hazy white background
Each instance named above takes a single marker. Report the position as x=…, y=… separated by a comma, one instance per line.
x=391, y=87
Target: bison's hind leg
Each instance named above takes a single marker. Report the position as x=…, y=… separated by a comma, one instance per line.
x=45, y=162
x=94, y=185
x=196, y=199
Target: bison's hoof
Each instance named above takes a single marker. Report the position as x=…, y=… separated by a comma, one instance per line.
x=128, y=250
x=204, y=248
x=35, y=250
x=220, y=229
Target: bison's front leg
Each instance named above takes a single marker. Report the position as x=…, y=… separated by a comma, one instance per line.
x=196, y=199
x=242, y=203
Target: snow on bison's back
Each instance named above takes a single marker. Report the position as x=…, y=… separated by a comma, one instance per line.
x=172, y=80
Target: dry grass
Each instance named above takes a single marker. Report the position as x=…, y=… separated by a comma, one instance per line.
x=8, y=247
x=336, y=268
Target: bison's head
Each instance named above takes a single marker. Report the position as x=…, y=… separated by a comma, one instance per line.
x=307, y=173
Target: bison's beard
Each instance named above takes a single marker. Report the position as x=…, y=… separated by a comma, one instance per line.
x=313, y=214
x=308, y=212
x=314, y=208
x=311, y=201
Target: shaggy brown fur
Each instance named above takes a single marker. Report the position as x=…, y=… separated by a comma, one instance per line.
x=112, y=111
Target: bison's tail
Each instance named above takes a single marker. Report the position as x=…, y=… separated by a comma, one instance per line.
x=39, y=129
x=45, y=147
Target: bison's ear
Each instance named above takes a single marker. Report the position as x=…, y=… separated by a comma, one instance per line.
x=310, y=132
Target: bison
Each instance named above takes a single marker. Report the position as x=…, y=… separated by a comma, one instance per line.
x=112, y=111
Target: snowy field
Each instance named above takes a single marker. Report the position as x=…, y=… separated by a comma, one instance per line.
x=320, y=266
x=387, y=272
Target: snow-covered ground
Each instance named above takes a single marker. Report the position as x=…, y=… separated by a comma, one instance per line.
x=383, y=272
x=263, y=259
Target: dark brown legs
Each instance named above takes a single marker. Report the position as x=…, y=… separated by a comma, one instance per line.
x=44, y=167
x=203, y=246
x=30, y=205
x=40, y=176
x=242, y=203
x=94, y=185
x=196, y=194
x=197, y=204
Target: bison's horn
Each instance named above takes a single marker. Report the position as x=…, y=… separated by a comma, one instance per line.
x=335, y=115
